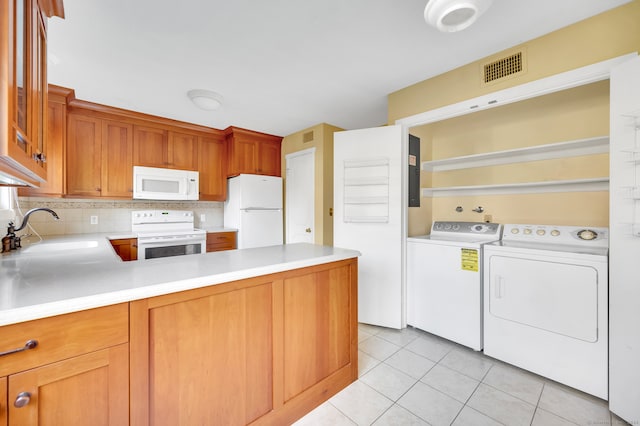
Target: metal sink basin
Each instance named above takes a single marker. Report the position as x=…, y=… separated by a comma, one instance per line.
x=55, y=247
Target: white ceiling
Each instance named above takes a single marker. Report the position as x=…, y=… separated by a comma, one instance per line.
x=281, y=65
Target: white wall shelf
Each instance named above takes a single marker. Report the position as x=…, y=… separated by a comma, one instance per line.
x=576, y=185
x=596, y=145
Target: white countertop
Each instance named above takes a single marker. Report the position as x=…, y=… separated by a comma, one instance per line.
x=36, y=285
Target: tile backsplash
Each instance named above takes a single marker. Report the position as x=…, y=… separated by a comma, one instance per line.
x=112, y=215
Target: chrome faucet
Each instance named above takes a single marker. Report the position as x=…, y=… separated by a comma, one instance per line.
x=11, y=241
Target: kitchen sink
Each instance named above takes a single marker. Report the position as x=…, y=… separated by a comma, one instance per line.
x=53, y=247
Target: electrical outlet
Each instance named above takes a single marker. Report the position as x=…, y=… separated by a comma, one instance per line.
x=203, y=217
x=94, y=220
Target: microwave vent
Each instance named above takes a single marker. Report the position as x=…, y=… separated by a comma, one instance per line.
x=503, y=67
x=307, y=137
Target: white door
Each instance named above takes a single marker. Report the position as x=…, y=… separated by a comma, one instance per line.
x=300, y=199
x=369, y=216
x=624, y=241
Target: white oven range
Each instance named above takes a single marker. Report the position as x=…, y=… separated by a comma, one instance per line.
x=164, y=233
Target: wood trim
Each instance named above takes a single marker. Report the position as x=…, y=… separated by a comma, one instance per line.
x=139, y=362
x=232, y=130
x=278, y=344
x=61, y=94
x=134, y=117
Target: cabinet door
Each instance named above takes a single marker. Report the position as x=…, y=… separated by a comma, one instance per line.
x=92, y=389
x=317, y=332
x=243, y=156
x=182, y=151
x=56, y=134
x=212, y=164
x=84, y=156
x=210, y=357
x=4, y=410
x=117, y=159
x=149, y=147
x=269, y=158
x=23, y=58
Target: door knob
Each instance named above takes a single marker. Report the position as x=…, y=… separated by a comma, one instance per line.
x=22, y=399
x=308, y=230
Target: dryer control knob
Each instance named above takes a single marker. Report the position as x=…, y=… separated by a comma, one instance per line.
x=515, y=230
x=541, y=232
x=555, y=233
x=527, y=231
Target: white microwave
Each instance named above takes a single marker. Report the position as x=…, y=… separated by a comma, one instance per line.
x=151, y=183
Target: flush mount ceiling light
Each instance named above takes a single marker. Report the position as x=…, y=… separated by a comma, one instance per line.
x=205, y=99
x=454, y=15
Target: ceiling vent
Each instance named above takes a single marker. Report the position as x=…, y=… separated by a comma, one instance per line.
x=307, y=137
x=503, y=67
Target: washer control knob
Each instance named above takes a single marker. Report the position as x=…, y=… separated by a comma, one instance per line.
x=555, y=233
x=541, y=232
x=515, y=231
x=527, y=231
x=447, y=226
x=456, y=227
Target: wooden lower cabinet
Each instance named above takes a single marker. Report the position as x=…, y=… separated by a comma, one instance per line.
x=90, y=389
x=265, y=350
x=77, y=374
x=4, y=403
x=126, y=248
x=220, y=241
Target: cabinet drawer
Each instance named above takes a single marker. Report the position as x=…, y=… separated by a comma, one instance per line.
x=63, y=336
x=217, y=241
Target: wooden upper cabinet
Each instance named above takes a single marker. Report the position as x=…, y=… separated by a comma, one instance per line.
x=23, y=88
x=156, y=147
x=56, y=138
x=182, y=151
x=212, y=165
x=117, y=159
x=150, y=147
x=99, y=157
x=253, y=153
x=269, y=154
x=84, y=156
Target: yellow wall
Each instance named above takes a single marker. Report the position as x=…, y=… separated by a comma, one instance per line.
x=608, y=35
x=574, y=114
x=323, y=143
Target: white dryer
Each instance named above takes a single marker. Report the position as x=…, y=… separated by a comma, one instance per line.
x=546, y=303
x=444, y=280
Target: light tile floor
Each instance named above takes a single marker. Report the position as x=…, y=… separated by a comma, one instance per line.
x=409, y=377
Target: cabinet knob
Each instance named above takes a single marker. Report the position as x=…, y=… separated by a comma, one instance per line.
x=308, y=230
x=22, y=399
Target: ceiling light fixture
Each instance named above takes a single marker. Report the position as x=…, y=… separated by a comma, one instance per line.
x=205, y=99
x=454, y=15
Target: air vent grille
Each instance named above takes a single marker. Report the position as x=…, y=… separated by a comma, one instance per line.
x=307, y=137
x=503, y=67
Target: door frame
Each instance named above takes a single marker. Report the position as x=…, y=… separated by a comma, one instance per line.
x=312, y=152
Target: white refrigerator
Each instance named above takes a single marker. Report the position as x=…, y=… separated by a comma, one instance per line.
x=254, y=208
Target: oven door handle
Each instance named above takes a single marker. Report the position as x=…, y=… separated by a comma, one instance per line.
x=169, y=241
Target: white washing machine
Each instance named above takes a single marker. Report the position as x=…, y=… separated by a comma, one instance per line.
x=546, y=303
x=444, y=280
